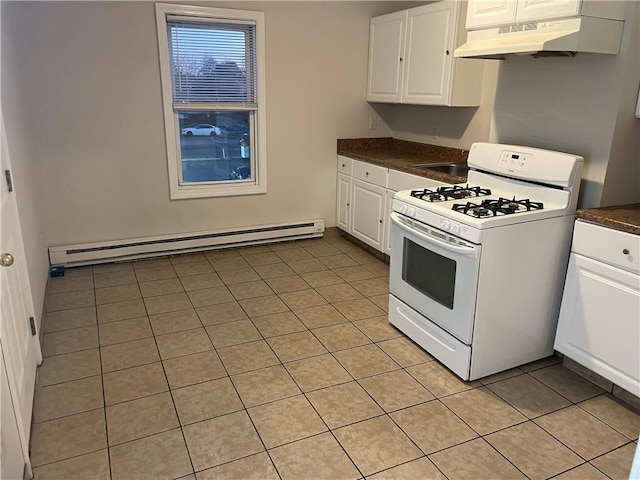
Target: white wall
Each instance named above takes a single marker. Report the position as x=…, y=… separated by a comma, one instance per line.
x=573, y=105
x=95, y=125
x=24, y=165
x=622, y=181
x=457, y=127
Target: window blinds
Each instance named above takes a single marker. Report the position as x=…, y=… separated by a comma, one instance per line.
x=213, y=63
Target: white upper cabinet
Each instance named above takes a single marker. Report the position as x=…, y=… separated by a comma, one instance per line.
x=386, y=49
x=411, y=58
x=533, y=10
x=494, y=13
x=490, y=13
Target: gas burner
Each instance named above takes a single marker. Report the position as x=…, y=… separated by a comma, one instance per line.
x=494, y=208
x=514, y=206
x=474, y=209
x=427, y=195
x=454, y=192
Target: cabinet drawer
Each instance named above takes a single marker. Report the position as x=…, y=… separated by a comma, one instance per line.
x=370, y=173
x=406, y=181
x=607, y=245
x=345, y=165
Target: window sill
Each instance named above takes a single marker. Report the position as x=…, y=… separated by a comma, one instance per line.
x=181, y=192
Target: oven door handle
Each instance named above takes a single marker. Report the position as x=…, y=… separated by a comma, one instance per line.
x=462, y=250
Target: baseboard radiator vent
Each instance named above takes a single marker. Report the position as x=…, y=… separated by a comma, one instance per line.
x=120, y=250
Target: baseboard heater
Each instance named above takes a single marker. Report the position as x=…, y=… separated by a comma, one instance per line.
x=103, y=252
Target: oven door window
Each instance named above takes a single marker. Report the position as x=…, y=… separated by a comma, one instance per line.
x=428, y=272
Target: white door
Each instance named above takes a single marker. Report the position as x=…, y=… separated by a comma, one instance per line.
x=20, y=348
x=429, y=53
x=386, y=52
x=11, y=461
x=368, y=211
x=490, y=13
x=534, y=10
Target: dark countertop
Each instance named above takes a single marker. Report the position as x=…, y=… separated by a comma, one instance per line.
x=403, y=155
x=620, y=217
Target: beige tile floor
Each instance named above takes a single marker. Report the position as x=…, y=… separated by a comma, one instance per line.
x=278, y=362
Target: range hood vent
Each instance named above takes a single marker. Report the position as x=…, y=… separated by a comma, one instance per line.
x=563, y=37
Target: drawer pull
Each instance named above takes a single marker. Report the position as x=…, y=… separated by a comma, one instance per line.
x=343, y=165
x=625, y=251
x=366, y=173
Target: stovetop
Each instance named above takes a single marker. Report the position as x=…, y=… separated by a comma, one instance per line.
x=466, y=212
x=507, y=185
x=481, y=208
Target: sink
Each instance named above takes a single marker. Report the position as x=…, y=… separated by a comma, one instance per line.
x=455, y=169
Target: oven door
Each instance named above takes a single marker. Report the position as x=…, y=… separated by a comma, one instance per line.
x=436, y=274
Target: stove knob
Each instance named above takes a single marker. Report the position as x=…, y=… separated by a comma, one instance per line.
x=411, y=212
x=455, y=229
x=445, y=225
x=403, y=209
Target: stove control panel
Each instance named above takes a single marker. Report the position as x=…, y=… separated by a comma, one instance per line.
x=408, y=211
x=513, y=160
x=452, y=227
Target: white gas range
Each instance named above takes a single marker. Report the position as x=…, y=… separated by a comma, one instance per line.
x=477, y=269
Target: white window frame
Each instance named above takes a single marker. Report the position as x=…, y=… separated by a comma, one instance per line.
x=172, y=127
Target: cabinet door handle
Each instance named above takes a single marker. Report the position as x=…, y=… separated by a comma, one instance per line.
x=366, y=173
x=625, y=251
x=447, y=52
x=400, y=58
x=347, y=204
x=380, y=221
x=343, y=165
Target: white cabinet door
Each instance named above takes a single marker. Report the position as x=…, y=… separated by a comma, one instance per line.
x=429, y=53
x=534, y=10
x=368, y=210
x=490, y=13
x=343, y=201
x=386, y=52
x=599, y=324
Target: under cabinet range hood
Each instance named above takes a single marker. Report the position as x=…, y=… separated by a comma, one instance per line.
x=562, y=37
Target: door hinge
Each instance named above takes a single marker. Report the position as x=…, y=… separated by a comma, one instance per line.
x=32, y=323
x=7, y=177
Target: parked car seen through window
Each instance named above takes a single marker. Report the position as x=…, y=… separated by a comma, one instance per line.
x=201, y=129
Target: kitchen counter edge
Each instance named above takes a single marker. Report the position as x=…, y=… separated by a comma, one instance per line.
x=404, y=156
x=620, y=217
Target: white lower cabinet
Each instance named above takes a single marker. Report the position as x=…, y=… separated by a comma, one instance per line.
x=368, y=203
x=599, y=323
x=364, y=199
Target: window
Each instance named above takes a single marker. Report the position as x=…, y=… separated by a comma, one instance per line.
x=212, y=69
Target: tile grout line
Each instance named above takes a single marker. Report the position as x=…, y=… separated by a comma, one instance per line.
x=173, y=402
x=245, y=410
x=104, y=399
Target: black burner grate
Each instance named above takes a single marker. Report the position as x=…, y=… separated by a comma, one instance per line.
x=493, y=208
x=455, y=192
